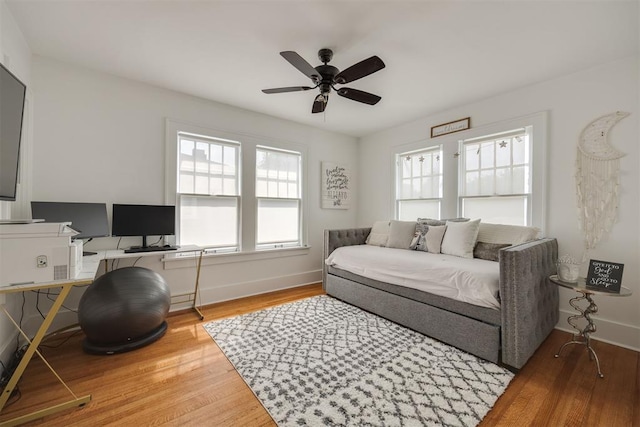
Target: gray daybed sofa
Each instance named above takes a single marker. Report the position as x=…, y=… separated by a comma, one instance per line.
x=528, y=302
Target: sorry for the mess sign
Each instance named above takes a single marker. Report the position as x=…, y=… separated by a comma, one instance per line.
x=606, y=276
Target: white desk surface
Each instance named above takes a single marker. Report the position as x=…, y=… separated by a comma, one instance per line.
x=119, y=253
x=90, y=265
x=85, y=277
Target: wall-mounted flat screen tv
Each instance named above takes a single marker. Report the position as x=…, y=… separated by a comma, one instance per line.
x=12, y=95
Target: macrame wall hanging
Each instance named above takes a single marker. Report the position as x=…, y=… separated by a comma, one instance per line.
x=597, y=179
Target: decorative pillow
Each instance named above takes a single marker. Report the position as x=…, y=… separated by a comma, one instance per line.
x=502, y=233
x=460, y=219
x=379, y=234
x=419, y=242
x=416, y=239
x=401, y=234
x=434, y=238
x=460, y=238
x=431, y=221
x=489, y=251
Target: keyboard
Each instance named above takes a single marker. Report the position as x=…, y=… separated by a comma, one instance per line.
x=150, y=249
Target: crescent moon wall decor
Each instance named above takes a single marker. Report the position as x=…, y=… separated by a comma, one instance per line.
x=597, y=179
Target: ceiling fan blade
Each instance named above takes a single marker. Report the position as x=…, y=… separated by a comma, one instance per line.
x=359, y=70
x=287, y=89
x=319, y=103
x=301, y=64
x=358, y=95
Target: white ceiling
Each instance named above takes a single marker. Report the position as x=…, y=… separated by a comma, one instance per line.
x=438, y=54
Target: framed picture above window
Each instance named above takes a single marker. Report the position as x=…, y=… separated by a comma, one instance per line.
x=336, y=186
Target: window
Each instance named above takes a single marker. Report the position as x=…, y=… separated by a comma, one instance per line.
x=495, y=181
x=419, y=184
x=208, y=192
x=278, y=198
x=239, y=196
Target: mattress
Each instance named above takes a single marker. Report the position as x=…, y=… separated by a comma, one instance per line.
x=474, y=281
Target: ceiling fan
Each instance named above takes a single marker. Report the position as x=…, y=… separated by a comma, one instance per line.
x=327, y=76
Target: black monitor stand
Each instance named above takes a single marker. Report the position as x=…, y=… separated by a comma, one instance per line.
x=146, y=248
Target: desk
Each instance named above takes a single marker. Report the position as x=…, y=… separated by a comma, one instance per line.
x=90, y=265
x=192, y=296
x=583, y=336
x=84, y=278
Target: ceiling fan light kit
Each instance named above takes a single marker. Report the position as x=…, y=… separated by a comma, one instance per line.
x=325, y=77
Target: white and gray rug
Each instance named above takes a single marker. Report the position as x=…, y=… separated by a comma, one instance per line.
x=321, y=362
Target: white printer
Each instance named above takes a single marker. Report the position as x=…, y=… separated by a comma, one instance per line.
x=38, y=252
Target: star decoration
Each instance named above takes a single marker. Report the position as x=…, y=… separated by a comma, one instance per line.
x=456, y=155
x=503, y=144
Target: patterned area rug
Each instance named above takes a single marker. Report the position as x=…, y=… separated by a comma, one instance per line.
x=320, y=361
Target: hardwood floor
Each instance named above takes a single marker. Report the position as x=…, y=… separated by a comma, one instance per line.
x=184, y=379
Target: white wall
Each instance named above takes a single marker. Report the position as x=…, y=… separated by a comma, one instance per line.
x=100, y=138
x=572, y=102
x=15, y=54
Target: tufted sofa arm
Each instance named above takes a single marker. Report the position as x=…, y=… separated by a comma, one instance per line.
x=334, y=239
x=529, y=301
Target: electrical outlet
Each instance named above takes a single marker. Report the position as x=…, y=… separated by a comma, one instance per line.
x=41, y=261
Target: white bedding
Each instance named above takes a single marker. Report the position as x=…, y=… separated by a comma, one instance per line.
x=474, y=281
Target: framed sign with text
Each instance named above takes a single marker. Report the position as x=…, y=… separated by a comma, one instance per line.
x=336, y=193
x=604, y=276
x=451, y=127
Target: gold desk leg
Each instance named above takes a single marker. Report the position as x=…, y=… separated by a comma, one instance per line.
x=26, y=358
x=197, y=287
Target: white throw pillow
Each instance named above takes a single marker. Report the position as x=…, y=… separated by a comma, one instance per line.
x=502, y=233
x=379, y=234
x=401, y=234
x=434, y=238
x=460, y=238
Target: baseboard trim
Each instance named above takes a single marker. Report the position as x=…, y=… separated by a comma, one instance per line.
x=255, y=287
x=233, y=291
x=608, y=331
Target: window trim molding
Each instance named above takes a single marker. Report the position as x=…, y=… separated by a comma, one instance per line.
x=450, y=145
x=187, y=261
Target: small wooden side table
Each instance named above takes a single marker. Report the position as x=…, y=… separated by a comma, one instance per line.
x=584, y=335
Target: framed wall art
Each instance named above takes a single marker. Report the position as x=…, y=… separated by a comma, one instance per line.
x=336, y=183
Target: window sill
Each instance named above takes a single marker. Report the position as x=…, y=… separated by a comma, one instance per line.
x=188, y=260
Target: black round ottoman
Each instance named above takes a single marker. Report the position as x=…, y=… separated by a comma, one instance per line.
x=123, y=310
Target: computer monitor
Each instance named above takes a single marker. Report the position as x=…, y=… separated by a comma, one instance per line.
x=88, y=219
x=143, y=220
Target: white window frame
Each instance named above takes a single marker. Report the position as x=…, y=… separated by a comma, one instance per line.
x=238, y=196
x=507, y=134
x=399, y=159
x=300, y=184
x=247, y=225
x=451, y=148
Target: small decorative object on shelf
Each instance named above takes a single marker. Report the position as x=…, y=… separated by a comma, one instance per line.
x=604, y=276
x=567, y=269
